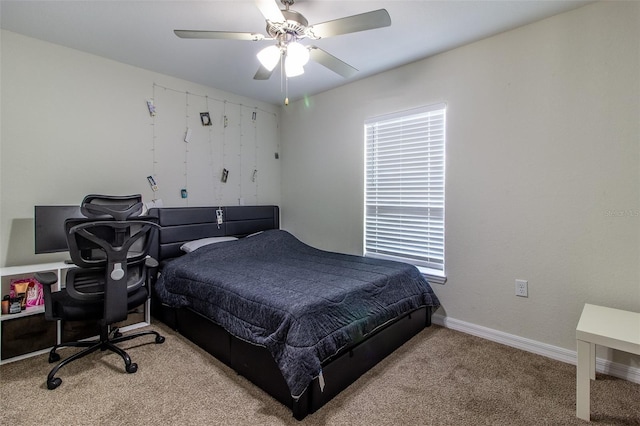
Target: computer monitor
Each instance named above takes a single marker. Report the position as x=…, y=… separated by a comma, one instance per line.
x=50, y=235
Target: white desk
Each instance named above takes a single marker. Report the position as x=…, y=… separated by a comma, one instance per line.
x=608, y=327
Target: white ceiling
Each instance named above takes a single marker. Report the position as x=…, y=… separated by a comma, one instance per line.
x=140, y=33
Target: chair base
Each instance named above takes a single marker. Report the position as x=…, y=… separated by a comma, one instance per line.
x=107, y=341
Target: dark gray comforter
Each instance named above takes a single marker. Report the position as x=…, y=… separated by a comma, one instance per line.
x=301, y=303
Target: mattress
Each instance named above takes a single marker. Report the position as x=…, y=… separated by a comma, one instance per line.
x=301, y=303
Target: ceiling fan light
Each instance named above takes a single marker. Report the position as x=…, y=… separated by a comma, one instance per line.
x=298, y=53
x=292, y=68
x=269, y=57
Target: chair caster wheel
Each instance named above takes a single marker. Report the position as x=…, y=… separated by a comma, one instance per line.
x=54, y=383
x=117, y=334
x=159, y=339
x=132, y=368
x=53, y=357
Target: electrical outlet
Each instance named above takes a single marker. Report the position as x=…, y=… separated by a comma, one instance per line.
x=522, y=289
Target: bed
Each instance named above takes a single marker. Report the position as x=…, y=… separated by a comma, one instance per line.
x=300, y=323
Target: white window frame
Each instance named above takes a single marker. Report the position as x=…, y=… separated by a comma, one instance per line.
x=404, y=218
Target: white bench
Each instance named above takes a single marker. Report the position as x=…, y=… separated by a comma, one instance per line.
x=608, y=327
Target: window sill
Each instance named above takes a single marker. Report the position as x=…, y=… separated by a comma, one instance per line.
x=433, y=275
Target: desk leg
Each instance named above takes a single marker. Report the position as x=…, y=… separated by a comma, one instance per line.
x=583, y=382
x=592, y=361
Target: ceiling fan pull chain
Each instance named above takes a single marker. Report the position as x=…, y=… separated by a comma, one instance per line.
x=286, y=90
x=282, y=73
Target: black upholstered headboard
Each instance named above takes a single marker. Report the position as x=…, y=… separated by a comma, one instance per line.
x=181, y=224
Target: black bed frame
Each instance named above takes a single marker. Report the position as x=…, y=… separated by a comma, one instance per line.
x=181, y=224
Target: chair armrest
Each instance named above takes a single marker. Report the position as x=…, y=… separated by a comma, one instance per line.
x=150, y=262
x=46, y=278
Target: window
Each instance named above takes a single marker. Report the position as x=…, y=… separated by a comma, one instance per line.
x=404, y=188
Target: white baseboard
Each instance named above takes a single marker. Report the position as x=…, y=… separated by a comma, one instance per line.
x=604, y=366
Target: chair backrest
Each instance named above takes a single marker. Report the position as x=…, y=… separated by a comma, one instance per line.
x=119, y=207
x=111, y=251
x=95, y=243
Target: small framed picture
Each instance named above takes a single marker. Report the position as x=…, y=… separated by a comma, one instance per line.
x=205, y=119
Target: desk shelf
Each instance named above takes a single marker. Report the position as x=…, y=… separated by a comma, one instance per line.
x=27, y=271
x=17, y=337
x=25, y=316
x=34, y=310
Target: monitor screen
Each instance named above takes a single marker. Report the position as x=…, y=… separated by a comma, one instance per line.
x=50, y=235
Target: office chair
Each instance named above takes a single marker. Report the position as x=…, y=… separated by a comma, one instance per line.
x=110, y=249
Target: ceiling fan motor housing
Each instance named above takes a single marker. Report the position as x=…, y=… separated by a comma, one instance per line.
x=294, y=26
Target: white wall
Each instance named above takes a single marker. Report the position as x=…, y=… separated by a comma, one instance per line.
x=543, y=158
x=543, y=168
x=74, y=124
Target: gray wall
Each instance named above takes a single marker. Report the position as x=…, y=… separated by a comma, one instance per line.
x=543, y=168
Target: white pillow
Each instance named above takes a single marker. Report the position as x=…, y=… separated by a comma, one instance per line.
x=195, y=244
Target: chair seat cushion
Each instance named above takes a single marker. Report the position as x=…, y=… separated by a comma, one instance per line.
x=67, y=308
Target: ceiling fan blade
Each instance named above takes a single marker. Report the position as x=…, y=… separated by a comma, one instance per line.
x=329, y=61
x=226, y=35
x=263, y=73
x=270, y=10
x=351, y=24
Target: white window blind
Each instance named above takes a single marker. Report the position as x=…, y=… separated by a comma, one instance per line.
x=404, y=187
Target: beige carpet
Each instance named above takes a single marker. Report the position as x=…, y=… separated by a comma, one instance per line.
x=440, y=377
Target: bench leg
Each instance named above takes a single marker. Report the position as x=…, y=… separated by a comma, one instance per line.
x=585, y=370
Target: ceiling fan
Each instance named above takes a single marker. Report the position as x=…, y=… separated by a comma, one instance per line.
x=287, y=27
